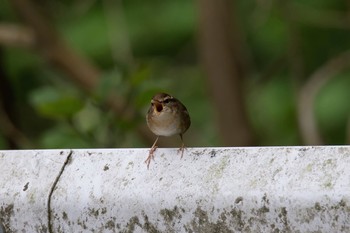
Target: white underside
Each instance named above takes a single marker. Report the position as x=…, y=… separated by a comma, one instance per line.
x=165, y=124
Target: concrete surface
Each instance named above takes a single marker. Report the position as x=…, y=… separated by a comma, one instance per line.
x=26, y=178
x=257, y=189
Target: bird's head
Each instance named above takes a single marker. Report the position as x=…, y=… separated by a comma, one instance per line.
x=162, y=102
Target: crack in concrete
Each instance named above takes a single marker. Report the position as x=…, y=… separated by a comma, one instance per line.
x=49, y=216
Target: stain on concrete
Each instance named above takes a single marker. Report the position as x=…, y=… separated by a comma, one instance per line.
x=110, y=225
x=283, y=216
x=2, y=228
x=26, y=186
x=238, y=200
x=201, y=223
x=64, y=216
x=318, y=206
x=130, y=226
x=6, y=212
x=171, y=217
x=93, y=212
x=237, y=217
x=263, y=210
x=264, y=216
x=212, y=154
x=41, y=228
x=82, y=223
x=148, y=226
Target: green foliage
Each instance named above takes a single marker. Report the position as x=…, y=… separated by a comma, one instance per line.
x=5, y=10
x=2, y=142
x=20, y=65
x=54, y=103
x=269, y=39
x=88, y=33
x=333, y=109
x=145, y=47
x=62, y=136
x=166, y=24
x=110, y=82
x=88, y=119
x=272, y=111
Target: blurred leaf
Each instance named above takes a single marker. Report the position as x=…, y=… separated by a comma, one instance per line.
x=21, y=64
x=88, y=119
x=110, y=82
x=6, y=10
x=88, y=33
x=144, y=98
x=333, y=108
x=272, y=111
x=319, y=4
x=62, y=136
x=141, y=74
x=270, y=39
x=160, y=27
x=53, y=103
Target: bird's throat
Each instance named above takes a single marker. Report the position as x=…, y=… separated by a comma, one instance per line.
x=158, y=107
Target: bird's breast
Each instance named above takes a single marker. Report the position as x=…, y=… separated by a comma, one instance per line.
x=164, y=123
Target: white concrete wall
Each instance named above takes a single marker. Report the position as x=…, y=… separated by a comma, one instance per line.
x=269, y=189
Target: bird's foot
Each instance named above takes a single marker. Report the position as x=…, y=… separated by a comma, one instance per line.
x=181, y=149
x=150, y=156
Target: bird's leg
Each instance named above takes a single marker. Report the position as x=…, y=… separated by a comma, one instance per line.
x=182, y=148
x=151, y=153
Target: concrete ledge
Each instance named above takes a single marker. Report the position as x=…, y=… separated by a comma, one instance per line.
x=268, y=189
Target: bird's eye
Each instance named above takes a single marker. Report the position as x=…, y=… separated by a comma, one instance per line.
x=166, y=101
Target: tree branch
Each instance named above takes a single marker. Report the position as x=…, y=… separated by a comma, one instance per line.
x=220, y=50
x=81, y=71
x=307, y=94
x=16, y=36
x=320, y=17
x=294, y=55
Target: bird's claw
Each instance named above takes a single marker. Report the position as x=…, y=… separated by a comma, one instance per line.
x=150, y=156
x=181, y=149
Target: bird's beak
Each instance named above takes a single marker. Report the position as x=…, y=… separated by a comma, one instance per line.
x=158, y=106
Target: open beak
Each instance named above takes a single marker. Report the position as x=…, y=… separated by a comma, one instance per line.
x=157, y=106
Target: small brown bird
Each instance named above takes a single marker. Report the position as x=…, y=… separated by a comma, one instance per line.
x=166, y=116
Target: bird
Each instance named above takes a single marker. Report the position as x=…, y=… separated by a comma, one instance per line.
x=166, y=116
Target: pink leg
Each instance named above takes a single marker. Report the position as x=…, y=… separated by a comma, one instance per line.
x=182, y=148
x=151, y=153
